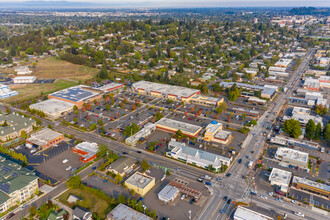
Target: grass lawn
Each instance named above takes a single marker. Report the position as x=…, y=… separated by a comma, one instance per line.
x=29, y=91
x=54, y=68
x=90, y=201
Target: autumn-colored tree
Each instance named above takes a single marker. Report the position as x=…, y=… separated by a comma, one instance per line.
x=228, y=118
x=122, y=104
x=133, y=107
x=83, y=109
x=88, y=106
x=192, y=109
x=107, y=99
x=185, y=113
x=112, y=118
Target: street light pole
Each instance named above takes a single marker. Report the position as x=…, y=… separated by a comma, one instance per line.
x=189, y=214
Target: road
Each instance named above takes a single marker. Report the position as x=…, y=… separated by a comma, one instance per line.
x=235, y=186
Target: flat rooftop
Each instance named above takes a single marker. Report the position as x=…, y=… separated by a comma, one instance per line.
x=109, y=87
x=168, y=192
x=52, y=106
x=301, y=110
x=292, y=154
x=75, y=94
x=140, y=180
x=165, y=89
x=213, y=126
x=311, y=183
x=43, y=136
x=280, y=176
x=243, y=213
x=123, y=212
x=223, y=135
x=184, y=127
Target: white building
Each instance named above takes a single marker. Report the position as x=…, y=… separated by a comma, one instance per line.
x=24, y=79
x=53, y=108
x=197, y=157
x=280, y=178
x=292, y=157
x=23, y=70
x=168, y=194
x=143, y=133
x=243, y=213
x=6, y=92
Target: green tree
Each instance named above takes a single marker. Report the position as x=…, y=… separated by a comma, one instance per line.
x=216, y=87
x=145, y=165
x=103, y=74
x=102, y=150
x=310, y=129
x=318, y=131
x=8, y=110
x=75, y=107
x=222, y=107
x=74, y=182
x=23, y=134
x=326, y=132
x=292, y=127
x=121, y=199
x=131, y=129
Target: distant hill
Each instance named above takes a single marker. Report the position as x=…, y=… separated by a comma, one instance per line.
x=310, y=11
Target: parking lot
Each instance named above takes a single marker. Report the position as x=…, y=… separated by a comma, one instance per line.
x=306, y=197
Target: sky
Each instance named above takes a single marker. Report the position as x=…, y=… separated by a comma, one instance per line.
x=206, y=3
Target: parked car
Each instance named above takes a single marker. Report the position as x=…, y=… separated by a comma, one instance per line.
x=183, y=196
x=228, y=174
x=10, y=215
x=208, y=183
x=299, y=214
x=68, y=168
x=239, y=160
x=65, y=161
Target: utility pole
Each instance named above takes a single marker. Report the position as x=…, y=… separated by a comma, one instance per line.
x=189, y=214
x=187, y=151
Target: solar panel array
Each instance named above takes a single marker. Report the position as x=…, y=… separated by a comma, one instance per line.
x=74, y=94
x=5, y=187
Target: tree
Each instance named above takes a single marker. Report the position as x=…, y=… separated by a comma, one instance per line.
x=326, y=132
x=102, y=150
x=310, y=129
x=8, y=110
x=318, y=131
x=121, y=199
x=75, y=107
x=145, y=165
x=118, y=178
x=74, y=182
x=23, y=134
x=216, y=87
x=222, y=107
x=107, y=107
x=321, y=110
x=293, y=128
x=103, y=74
x=131, y=129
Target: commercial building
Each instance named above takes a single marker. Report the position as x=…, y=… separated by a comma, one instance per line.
x=303, y=116
x=168, y=194
x=53, y=108
x=77, y=95
x=13, y=124
x=284, y=141
x=122, y=166
x=111, y=87
x=17, y=184
x=206, y=100
x=197, y=157
x=24, y=79
x=255, y=100
x=143, y=133
x=123, y=212
x=311, y=84
x=283, y=63
x=214, y=133
x=45, y=138
x=6, y=92
x=184, y=189
x=267, y=92
x=171, y=125
x=280, y=178
x=22, y=70
x=247, y=112
x=140, y=183
x=311, y=186
x=243, y=213
x=278, y=73
x=277, y=69
x=87, y=150
x=176, y=93
x=292, y=157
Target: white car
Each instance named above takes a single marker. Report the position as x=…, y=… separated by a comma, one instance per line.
x=264, y=197
x=65, y=161
x=299, y=214
x=68, y=168
x=183, y=196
